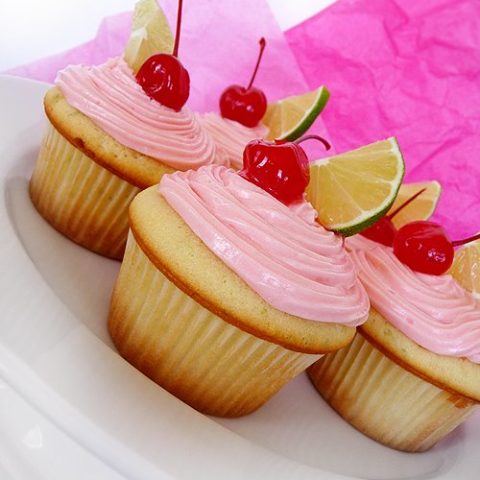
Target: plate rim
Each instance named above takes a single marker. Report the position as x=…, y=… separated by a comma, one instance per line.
x=33, y=382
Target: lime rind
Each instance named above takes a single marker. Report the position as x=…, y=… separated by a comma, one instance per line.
x=310, y=116
x=368, y=218
x=309, y=113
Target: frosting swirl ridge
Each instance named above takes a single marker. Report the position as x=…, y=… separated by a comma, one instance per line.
x=109, y=95
x=230, y=137
x=281, y=252
x=432, y=310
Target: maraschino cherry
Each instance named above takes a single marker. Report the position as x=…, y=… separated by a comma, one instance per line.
x=383, y=231
x=425, y=247
x=245, y=105
x=281, y=168
x=163, y=77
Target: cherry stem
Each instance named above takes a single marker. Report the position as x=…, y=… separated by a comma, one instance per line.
x=262, y=43
x=404, y=204
x=314, y=137
x=177, y=33
x=457, y=243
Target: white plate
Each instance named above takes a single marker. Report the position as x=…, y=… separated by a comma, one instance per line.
x=71, y=407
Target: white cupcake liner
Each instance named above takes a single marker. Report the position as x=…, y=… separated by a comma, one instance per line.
x=210, y=364
x=79, y=198
x=385, y=401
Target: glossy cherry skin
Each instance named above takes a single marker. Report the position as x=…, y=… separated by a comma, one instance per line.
x=424, y=247
x=280, y=168
x=246, y=106
x=383, y=231
x=166, y=80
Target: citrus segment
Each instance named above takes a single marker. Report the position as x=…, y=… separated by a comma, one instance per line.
x=421, y=208
x=150, y=34
x=290, y=118
x=466, y=267
x=351, y=191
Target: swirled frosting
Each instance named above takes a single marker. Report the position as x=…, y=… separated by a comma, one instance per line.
x=110, y=96
x=230, y=137
x=432, y=310
x=293, y=263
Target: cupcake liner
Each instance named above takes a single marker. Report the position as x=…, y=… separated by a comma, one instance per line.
x=208, y=363
x=79, y=198
x=385, y=401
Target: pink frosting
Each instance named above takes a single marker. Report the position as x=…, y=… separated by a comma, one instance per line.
x=230, y=137
x=432, y=310
x=287, y=258
x=110, y=96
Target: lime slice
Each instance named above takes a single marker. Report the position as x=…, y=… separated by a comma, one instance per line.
x=150, y=34
x=466, y=267
x=421, y=208
x=290, y=118
x=351, y=191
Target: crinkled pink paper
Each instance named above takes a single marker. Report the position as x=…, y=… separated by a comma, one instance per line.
x=411, y=69
x=219, y=47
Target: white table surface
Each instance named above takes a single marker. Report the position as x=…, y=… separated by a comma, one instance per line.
x=32, y=29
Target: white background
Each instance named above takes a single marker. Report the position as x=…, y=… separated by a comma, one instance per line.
x=32, y=29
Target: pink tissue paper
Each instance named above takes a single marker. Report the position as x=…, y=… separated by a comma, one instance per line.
x=219, y=47
x=402, y=68
x=409, y=69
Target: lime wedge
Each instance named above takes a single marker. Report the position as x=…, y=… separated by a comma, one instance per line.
x=290, y=118
x=466, y=268
x=150, y=34
x=421, y=208
x=351, y=191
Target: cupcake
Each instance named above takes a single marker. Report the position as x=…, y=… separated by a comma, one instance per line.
x=113, y=131
x=412, y=372
x=106, y=140
x=225, y=293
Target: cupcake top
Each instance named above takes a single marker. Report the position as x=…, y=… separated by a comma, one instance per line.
x=110, y=96
x=230, y=137
x=293, y=263
x=433, y=311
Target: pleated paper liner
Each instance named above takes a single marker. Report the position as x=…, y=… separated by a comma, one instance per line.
x=208, y=363
x=79, y=198
x=385, y=401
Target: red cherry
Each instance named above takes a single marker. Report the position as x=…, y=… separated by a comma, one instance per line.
x=384, y=231
x=164, y=78
x=245, y=105
x=424, y=247
x=280, y=168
